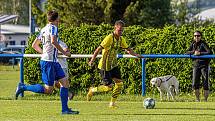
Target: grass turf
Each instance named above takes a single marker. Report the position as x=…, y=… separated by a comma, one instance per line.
x=39, y=110
x=34, y=107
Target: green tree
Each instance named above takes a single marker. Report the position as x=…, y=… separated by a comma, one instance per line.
x=140, y=12
x=39, y=13
x=115, y=10
x=180, y=10
x=149, y=13
x=16, y=7
x=73, y=12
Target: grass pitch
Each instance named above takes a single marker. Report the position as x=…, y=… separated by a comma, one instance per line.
x=48, y=108
x=38, y=110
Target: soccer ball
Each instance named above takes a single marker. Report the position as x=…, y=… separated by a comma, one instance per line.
x=149, y=103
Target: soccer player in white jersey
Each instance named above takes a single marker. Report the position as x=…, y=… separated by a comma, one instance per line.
x=51, y=69
x=64, y=66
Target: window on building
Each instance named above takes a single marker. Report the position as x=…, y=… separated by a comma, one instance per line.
x=12, y=43
x=23, y=42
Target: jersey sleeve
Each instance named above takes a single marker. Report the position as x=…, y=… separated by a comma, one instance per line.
x=62, y=44
x=124, y=45
x=106, y=43
x=54, y=30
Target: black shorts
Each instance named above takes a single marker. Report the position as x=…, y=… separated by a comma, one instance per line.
x=199, y=72
x=107, y=76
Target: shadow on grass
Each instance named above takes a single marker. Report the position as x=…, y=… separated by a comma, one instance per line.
x=159, y=114
x=188, y=108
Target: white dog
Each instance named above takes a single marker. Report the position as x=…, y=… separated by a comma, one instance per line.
x=167, y=84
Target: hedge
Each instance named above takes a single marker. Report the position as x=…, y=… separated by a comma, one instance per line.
x=85, y=39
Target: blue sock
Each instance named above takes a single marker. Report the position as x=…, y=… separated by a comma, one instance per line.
x=64, y=98
x=37, y=88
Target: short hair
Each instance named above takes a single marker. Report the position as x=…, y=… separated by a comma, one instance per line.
x=199, y=32
x=52, y=15
x=119, y=22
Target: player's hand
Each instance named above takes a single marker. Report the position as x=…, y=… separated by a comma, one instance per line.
x=197, y=53
x=139, y=56
x=68, y=54
x=90, y=63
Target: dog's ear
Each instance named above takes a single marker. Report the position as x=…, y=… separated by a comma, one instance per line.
x=152, y=81
x=158, y=81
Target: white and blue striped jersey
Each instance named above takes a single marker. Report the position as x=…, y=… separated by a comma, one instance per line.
x=49, y=51
x=63, y=61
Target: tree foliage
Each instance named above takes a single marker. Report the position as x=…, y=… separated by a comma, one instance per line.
x=148, y=13
x=16, y=7
x=184, y=11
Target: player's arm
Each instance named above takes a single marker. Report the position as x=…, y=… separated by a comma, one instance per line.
x=66, y=49
x=105, y=44
x=96, y=52
x=36, y=45
x=63, y=46
x=56, y=45
x=124, y=45
x=131, y=52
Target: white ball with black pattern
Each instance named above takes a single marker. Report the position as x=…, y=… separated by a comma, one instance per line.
x=149, y=103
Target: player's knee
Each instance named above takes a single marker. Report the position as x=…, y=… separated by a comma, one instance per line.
x=48, y=90
x=116, y=80
x=57, y=84
x=107, y=82
x=64, y=82
x=119, y=84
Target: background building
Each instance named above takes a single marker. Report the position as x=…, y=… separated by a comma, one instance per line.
x=15, y=34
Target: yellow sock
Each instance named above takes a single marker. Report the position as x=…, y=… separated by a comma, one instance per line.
x=116, y=91
x=113, y=100
x=101, y=88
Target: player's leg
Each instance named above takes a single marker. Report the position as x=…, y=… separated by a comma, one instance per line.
x=105, y=87
x=70, y=94
x=46, y=68
x=205, y=75
x=116, y=75
x=48, y=77
x=116, y=91
x=196, y=82
x=64, y=85
x=57, y=84
x=37, y=88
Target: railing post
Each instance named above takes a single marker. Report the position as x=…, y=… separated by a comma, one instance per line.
x=143, y=77
x=21, y=73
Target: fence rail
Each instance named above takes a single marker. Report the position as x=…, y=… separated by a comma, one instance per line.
x=119, y=56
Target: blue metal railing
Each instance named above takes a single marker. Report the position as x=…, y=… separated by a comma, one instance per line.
x=21, y=56
x=162, y=56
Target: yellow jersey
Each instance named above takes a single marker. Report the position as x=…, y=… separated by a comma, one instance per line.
x=110, y=49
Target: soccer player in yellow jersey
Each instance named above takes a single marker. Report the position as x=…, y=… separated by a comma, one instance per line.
x=108, y=63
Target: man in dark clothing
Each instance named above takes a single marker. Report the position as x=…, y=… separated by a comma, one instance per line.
x=200, y=65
